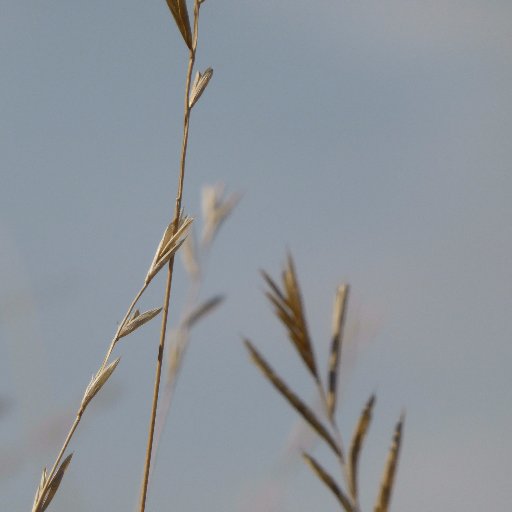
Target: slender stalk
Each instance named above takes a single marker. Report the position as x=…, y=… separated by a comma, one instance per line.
x=65, y=445
x=165, y=312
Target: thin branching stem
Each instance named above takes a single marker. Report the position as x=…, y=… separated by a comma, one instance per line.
x=65, y=445
x=115, y=339
x=81, y=410
x=167, y=295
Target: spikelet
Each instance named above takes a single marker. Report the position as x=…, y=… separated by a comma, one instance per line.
x=200, y=82
x=97, y=382
x=39, y=491
x=137, y=320
x=338, y=321
x=388, y=476
x=288, y=308
x=357, y=444
x=168, y=246
x=45, y=496
x=292, y=398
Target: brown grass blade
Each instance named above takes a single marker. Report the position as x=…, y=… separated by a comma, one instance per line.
x=49, y=493
x=288, y=308
x=329, y=481
x=292, y=398
x=357, y=444
x=388, y=476
x=338, y=321
x=138, y=320
x=180, y=13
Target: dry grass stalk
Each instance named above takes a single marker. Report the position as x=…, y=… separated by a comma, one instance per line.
x=388, y=476
x=288, y=307
x=357, y=444
x=292, y=398
x=171, y=241
x=329, y=481
x=338, y=323
x=178, y=9
x=97, y=382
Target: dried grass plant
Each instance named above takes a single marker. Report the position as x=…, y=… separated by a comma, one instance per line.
x=288, y=307
x=173, y=238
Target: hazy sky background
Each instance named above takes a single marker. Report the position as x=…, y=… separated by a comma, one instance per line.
x=372, y=139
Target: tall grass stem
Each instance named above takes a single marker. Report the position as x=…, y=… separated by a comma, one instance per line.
x=165, y=313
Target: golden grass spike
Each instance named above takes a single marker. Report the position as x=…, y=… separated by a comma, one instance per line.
x=388, y=476
x=329, y=481
x=137, y=320
x=357, y=444
x=180, y=13
x=338, y=321
x=50, y=491
x=288, y=308
x=203, y=309
x=292, y=398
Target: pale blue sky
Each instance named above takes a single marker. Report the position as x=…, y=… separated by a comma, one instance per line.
x=370, y=138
